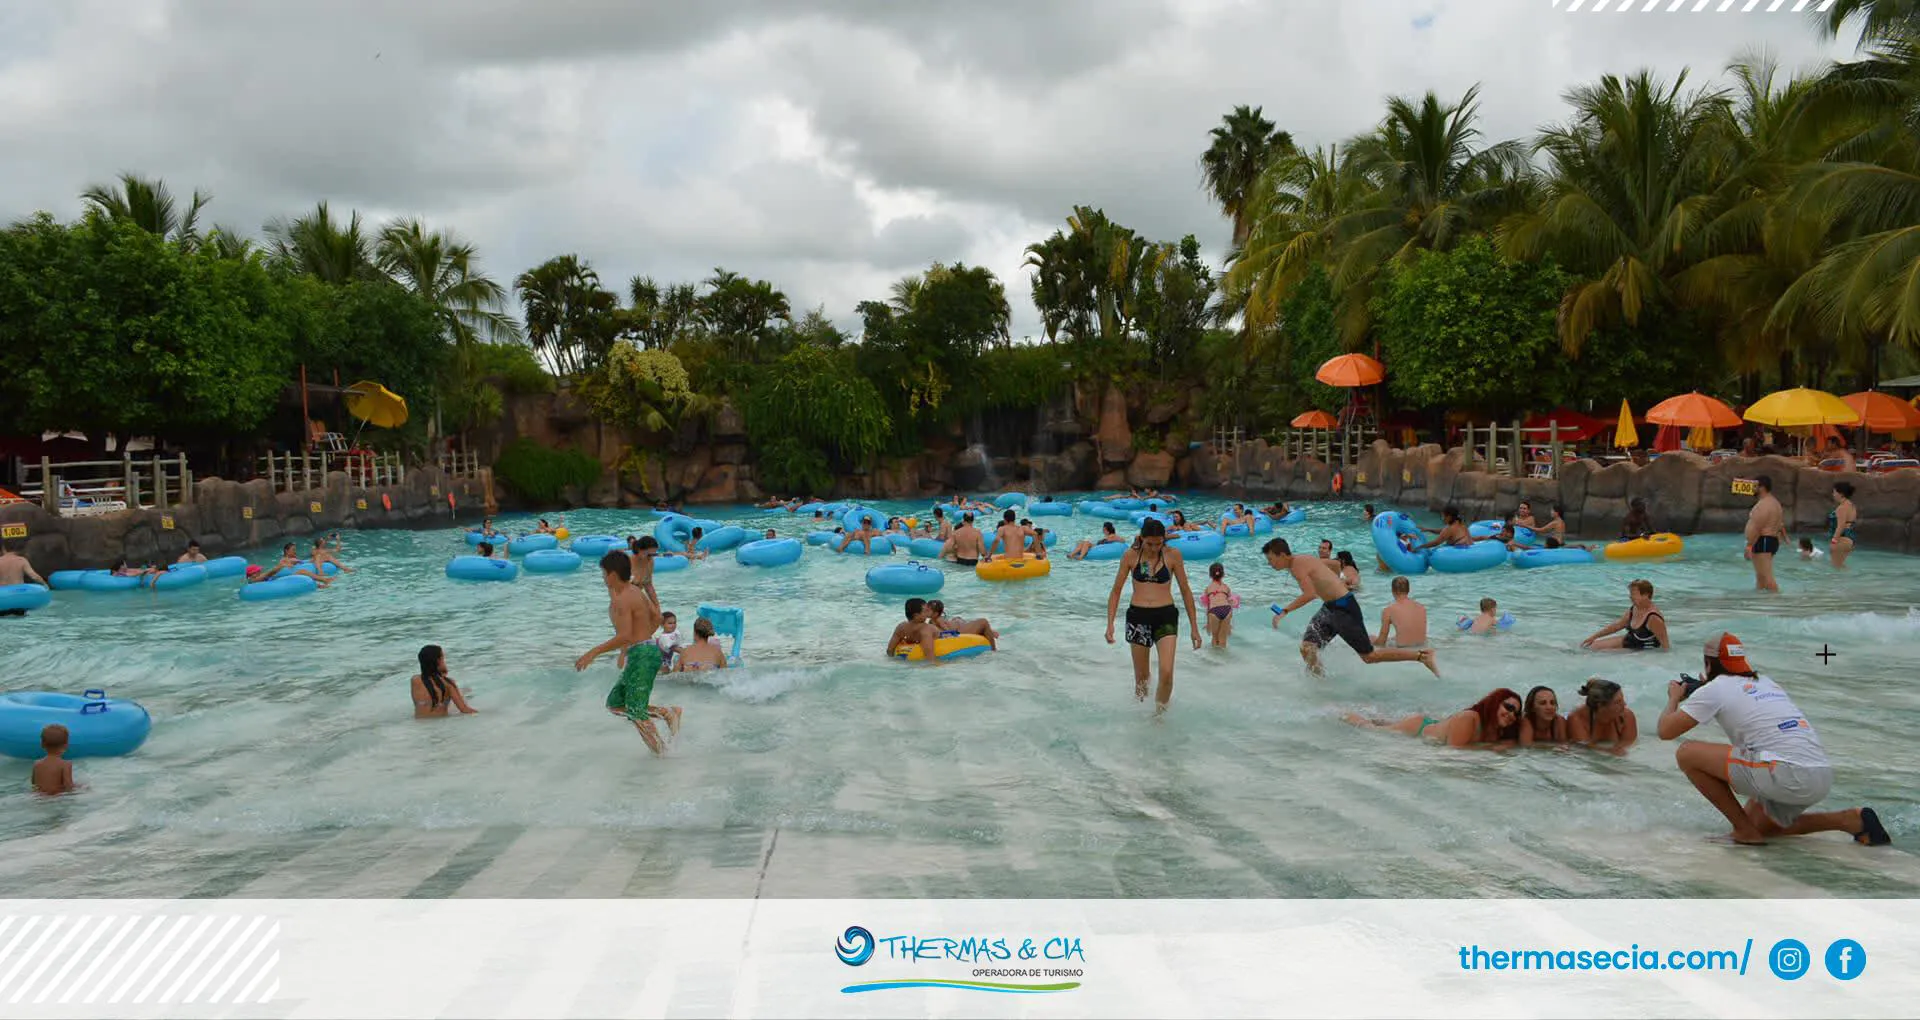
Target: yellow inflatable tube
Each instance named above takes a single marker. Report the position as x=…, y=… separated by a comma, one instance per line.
x=1013, y=570
x=1653, y=548
x=946, y=648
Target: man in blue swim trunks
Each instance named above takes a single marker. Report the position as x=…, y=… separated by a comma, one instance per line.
x=1339, y=614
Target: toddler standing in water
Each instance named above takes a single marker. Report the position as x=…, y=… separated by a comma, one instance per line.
x=1218, y=599
x=54, y=773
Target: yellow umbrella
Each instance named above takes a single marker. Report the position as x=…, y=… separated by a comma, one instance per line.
x=1701, y=438
x=376, y=405
x=1801, y=407
x=1624, y=435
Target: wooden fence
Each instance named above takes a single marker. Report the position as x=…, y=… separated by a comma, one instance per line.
x=103, y=486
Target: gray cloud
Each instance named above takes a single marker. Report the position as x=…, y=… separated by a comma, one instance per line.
x=828, y=146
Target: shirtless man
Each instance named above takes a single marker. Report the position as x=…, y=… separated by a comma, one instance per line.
x=1452, y=531
x=940, y=527
x=953, y=626
x=864, y=535
x=1339, y=614
x=966, y=545
x=916, y=629
x=323, y=555
x=1523, y=517
x=1237, y=515
x=1010, y=538
x=1403, y=624
x=635, y=618
x=192, y=555
x=14, y=569
x=1766, y=529
x=1556, y=527
x=640, y=556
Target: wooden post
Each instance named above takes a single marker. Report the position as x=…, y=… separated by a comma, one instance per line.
x=1517, y=471
x=1553, y=447
x=128, y=481
x=49, y=487
x=1467, y=446
x=306, y=471
x=186, y=480
x=159, y=484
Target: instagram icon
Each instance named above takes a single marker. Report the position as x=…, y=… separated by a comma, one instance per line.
x=1788, y=959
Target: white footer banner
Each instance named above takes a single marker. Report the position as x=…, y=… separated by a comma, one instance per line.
x=992, y=958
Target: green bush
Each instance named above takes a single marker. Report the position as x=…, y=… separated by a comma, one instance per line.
x=542, y=475
x=789, y=465
x=816, y=398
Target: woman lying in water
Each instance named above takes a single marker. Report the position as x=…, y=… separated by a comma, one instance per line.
x=1491, y=722
x=1541, y=722
x=1604, y=719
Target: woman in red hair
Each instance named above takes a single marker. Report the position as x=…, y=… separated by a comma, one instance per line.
x=1493, y=721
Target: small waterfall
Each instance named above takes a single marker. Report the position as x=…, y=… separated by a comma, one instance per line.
x=991, y=482
x=1040, y=456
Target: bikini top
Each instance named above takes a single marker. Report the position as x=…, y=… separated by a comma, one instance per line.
x=1160, y=576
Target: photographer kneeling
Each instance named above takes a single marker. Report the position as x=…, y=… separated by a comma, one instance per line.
x=1775, y=759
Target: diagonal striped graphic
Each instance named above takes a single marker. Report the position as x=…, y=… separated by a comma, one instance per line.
x=211, y=958
x=1717, y=6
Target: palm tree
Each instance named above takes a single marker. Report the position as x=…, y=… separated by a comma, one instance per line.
x=1634, y=178
x=1291, y=210
x=569, y=316
x=743, y=312
x=1880, y=20
x=1244, y=145
x=319, y=246
x=149, y=205
x=662, y=315
x=227, y=243
x=443, y=269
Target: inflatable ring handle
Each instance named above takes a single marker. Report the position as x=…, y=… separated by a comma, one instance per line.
x=93, y=708
x=95, y=693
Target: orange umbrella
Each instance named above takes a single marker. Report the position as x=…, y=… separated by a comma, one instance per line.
x=1694, y=410
x=1351, y=370
x=1883, y=413
x=1316, y=420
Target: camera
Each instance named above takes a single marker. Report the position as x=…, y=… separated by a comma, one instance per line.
x=1691, y=683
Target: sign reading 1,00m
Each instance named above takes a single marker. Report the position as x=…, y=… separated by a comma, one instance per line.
x=166, y=522
x=13, y=531
x=1746, y=487
x=313, y=507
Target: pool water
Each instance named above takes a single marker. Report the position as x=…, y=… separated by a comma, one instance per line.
x=284, y=760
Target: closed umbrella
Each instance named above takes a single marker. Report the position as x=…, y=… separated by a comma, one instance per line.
x=1624, y=434
x=1315, y=420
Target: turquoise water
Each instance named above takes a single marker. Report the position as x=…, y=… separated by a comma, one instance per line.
x=285, y=762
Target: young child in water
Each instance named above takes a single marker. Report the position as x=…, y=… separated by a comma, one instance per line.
x=1808, y=552
x=1488, y=619
x=668, y=639
x=54, y=773
x=1219, y=602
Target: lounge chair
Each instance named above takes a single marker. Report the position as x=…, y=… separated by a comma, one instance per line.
x=85, y=502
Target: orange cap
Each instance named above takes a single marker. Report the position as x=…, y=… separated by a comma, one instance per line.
x=1731, y=654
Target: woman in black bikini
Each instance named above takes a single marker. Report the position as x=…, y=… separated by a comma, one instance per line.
x=1153, y=621
x=1643, y=626
x=433, y=690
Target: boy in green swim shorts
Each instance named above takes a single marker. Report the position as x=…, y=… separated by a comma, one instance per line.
x=635, y=618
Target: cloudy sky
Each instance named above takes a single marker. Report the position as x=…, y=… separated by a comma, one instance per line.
x=830, y=146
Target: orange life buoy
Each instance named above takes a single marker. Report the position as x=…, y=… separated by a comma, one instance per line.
x=449, y=500
x=1339, y=483
x=386, y=501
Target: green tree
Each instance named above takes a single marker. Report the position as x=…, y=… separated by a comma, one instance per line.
x=1243, y=145
x=817, y=399
x=640, y=389
x=319, y=246
x=744, y=314
x=1470, y=330
x=570, y=318
x=149, y=204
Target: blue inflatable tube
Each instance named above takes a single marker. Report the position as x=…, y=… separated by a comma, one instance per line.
x=97, y=726
x=769, y=552
x=1009, y=500
x=852, y=518
x=1529, y=558
x=1490, y=529
x=881, y=546
x=595, y=546
x=1199, y=545
x=1294, y=515
x=551, y=561
x=1104, y=510
x=1262, y=525
x=25, y=596
x=475, y=538
x=676, y=531
x=1452, y=559
x=928, y=547
x=1050, y=508
x=906, y=579
x=1143, y=516
x=66, y=580
x=181, y=575
x=723, y=538
x=667, y=563
x=480, y=568
x=1504, y=622
x=1110, y=550
x=107, y=580
x=1129, y=504
x=532, y=543
x=823, y=538
x=810, y=507
x=284, y=587
x=225, y=566
x=1387, y=529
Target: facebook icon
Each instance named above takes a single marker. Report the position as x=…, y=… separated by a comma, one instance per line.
x=1846, y=959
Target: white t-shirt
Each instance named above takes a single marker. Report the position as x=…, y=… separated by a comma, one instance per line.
x=1761, y=722
x=667, y=640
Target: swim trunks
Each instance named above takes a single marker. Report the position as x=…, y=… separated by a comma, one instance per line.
x=1766, y=545
x=631, y=693
x=13, y=612
x=1148, y=624
x=1340, y=618
x=965, y=562
x=1784, y=789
